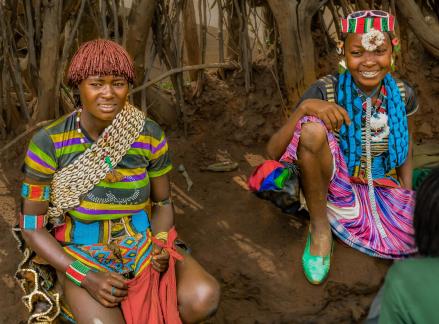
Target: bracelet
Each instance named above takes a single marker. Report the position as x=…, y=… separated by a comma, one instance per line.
x=35, y=192
x=161, y=203
x=30, y=222
x=161, y=236
x=76, y=272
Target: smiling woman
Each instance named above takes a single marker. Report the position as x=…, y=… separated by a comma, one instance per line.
x=368, y=68
x=349, y=136
x=90, y=179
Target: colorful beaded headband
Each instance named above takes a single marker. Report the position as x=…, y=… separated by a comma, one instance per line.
x=372, y=24
x=363, y=21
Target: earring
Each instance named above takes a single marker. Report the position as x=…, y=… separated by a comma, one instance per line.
x=342, y=66
x=339, y=48
x=392, y=64
x=396, y=44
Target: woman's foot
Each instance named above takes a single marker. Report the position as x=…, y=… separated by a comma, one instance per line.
x=316, y=262
x=321, y=241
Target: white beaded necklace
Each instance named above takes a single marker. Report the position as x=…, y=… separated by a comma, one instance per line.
x=78, y=125
x=371, y=188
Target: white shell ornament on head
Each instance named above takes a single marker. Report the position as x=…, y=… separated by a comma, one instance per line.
x=372, y=40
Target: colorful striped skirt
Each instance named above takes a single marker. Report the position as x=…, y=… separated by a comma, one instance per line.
x=349, y=210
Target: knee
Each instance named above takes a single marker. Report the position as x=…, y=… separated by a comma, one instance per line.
x=202, y=302
x=312, y=138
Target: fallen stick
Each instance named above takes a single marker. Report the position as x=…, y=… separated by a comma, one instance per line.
x=183, y=171
x=25, y=133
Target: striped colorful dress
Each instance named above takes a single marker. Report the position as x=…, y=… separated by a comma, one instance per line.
x=349, y=210
x=391, y=234
x=109, y=230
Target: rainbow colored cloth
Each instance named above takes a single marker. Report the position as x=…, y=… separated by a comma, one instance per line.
x=277, y=182
x=270, y=175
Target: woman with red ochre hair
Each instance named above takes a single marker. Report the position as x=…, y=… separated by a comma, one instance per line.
x=89, y=179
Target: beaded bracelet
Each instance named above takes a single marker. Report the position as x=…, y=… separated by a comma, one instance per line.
x=161, y=236
x=30, y=222
x=76, y=272
x=35, y=192
x=161, y=203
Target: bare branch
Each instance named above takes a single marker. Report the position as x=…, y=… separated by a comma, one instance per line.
x=31, y=45
x=66, y=48
x=104, y=18
x=427, y=34
x=14, y=68
x=335, y=17
x=191, y=40
x=184, y=69
x=221, y=35
x=115, y=20
x=37, y=8
x=24, y=134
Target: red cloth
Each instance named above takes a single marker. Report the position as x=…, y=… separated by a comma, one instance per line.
x=379, y=182
x=152, y=298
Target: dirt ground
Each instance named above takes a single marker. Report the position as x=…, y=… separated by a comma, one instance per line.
x=249, y=245
x=246, y=243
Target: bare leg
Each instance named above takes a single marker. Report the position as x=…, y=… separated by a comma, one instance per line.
x=85, y=308
x=198, y=292
x=315, y=162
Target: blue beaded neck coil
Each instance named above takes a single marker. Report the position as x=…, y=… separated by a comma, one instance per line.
x=350, y=136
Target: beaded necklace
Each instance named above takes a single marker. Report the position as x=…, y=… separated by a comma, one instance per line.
x=370, y=186
x=113, y=175
x=379, y=107
x=378, y=121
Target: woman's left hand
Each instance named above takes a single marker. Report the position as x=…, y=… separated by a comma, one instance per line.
x=160, y=258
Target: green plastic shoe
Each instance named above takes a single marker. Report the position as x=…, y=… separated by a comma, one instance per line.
x=316, y=268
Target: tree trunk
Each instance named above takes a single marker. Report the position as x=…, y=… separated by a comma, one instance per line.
x=293, y=19
x=139, y=23
x=269, y=30
x=191, y=37
x=427, y=34
x=47, y=90
x=244, y=42
x=232, y=49
x=284, y=12
x=306, y=11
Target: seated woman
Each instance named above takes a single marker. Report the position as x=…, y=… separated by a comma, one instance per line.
x=411, y=288
x=349, y=137
x=89, y=178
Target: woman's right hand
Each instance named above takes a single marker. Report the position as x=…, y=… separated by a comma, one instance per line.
x=108, y=288
x=330, y=113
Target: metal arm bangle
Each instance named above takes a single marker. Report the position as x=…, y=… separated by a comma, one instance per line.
x=161, y=203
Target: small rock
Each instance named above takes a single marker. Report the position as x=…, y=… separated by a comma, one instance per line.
x=425, y=129
x=434, y=72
